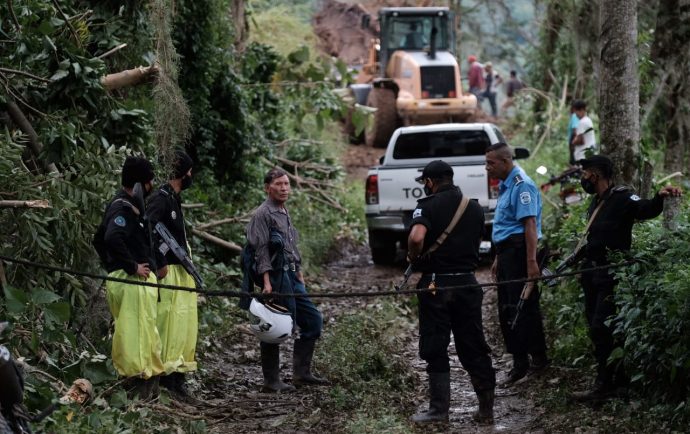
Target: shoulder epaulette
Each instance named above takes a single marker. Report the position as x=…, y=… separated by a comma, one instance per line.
x=518, y=179
x=423, y=199
x=621, y=188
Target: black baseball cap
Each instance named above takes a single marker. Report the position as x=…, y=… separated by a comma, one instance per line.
x=136, y=169
x=435, y=169
x=599, y=162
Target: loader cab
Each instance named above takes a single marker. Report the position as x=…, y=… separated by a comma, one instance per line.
x=411, y=29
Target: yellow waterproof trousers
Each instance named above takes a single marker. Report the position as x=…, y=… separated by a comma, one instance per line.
x=177, y=322
x=136, y=343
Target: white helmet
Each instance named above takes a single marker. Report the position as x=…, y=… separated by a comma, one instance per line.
x=270, y=322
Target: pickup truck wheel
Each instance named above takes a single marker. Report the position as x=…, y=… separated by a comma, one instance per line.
x=383, y=255
x=385, y=118
x=383, y=247
x=351, y=130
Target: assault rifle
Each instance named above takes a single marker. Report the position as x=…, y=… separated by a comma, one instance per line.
x=406, y=277
x=179, y=252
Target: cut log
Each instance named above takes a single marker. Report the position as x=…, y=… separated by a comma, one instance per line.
x=130, y=77
x=24, y=204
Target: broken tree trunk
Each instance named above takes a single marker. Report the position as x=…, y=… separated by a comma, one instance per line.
x=130, y=77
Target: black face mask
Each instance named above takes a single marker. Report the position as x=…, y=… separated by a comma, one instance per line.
x=186, y=183
x=588, y=185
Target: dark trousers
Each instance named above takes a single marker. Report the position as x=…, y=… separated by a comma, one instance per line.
x=599, y=307
x=304, y=313
x=459, y=311
x=528, y=335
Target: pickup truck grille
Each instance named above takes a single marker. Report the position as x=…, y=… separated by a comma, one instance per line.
x=438, y=82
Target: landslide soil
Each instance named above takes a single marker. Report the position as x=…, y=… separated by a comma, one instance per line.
x=229, y=381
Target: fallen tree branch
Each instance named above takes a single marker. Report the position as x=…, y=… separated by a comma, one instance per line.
x=69, y=24
x=34, y=143
x=25, y=204
x=232, y=247
x=111, y=51
x=129, y=77
x=192, y=205
x=25, y=74
x=14, y=17
x=244, y=218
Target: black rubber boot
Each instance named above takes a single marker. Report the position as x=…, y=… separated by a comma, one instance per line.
x=144, y=389
x=439, y=403
x=485, y=414
x=302, y=355
x=270, y=365
x=519, y=371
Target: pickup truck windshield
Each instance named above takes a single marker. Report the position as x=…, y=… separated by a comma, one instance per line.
x=441, y=144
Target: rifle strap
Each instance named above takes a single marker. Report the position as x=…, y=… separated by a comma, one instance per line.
x=589, y=224
x=456, y=218
x=127, y=203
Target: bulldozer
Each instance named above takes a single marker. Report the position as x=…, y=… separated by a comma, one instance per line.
x=411, y=76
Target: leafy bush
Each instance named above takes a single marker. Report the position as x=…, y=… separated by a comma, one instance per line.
x=653, y=297
x=363, y=360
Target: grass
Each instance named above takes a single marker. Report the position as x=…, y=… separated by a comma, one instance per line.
x=284, y=28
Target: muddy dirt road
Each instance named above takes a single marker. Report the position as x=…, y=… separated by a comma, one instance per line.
x=231, y=374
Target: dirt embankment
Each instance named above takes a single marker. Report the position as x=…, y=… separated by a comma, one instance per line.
x=338, y=26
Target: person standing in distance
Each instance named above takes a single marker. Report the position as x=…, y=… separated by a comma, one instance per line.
x=136, y=342
x=583, y=137
x=177, y=310
x=269, y=221
x=516, y=232
x=617, y=208
x=458, y=311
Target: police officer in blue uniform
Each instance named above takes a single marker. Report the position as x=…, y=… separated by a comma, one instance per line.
x=617, y=208
x=516, y=232
x=452, y=264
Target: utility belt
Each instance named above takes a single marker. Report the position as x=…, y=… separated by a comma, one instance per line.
x=512, y=242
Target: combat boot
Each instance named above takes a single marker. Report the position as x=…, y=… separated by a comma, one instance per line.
x=519, y=371
x=601, y=391
x=302, y=356
x=485, y=414
x=270, y=366
x=439, y=402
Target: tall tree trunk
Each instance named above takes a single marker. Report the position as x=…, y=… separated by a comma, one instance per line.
x=553, y=26
x=619, y=87
x=670, y=54
x=239, y=19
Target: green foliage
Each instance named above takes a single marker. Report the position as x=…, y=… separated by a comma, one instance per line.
x=364, y=361
x=654, y=300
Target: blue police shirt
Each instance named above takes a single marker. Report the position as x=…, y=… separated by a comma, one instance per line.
x=518, y=198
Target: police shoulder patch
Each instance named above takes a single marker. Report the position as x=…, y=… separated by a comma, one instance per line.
x=634, y=197
x=417, y=213
x=120, y=221
x=525, y=198
x=173, y=214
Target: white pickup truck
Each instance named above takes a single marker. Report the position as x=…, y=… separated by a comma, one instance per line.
x=392, y=193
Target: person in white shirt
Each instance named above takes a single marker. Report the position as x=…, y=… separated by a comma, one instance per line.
x=584, y=133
